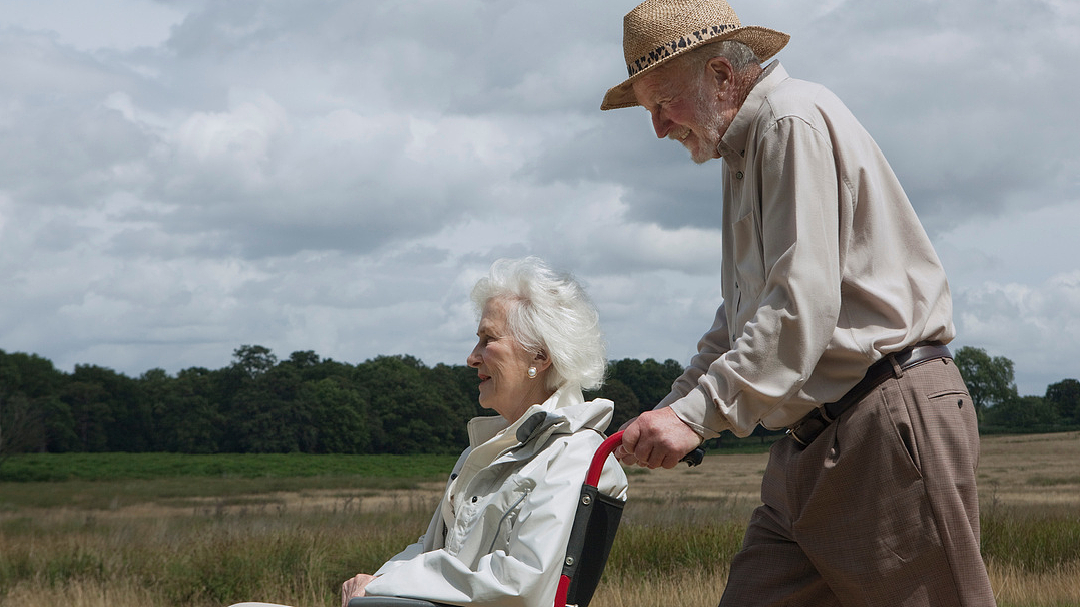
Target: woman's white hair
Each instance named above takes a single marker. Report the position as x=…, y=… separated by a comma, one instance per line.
x=548, y=312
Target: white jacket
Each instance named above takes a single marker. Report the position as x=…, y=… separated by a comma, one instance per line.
x=499, y=534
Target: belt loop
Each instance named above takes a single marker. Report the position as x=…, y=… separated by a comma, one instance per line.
x=898, y=371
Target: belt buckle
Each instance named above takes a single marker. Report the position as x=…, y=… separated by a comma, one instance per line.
x=795, y=437
x=817, y=416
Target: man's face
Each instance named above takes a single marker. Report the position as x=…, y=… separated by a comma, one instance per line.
x=684, y=108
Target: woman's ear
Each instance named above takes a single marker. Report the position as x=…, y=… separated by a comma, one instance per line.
x=541, y=361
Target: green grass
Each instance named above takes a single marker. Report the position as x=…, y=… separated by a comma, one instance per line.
x=1035, y=539
x=53, y=467
x=112, y=480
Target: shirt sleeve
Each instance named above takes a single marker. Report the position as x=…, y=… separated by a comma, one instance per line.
x=711, y=346
x=798, y=306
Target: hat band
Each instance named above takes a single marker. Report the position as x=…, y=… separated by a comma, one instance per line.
x=668, y=49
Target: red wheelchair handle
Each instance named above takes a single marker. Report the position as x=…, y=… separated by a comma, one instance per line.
x=610, y=443
x=604, y=450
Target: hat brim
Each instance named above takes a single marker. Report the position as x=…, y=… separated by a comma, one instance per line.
x=763, y=41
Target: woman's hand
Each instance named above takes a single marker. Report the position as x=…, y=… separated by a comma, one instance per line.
x=354, y=587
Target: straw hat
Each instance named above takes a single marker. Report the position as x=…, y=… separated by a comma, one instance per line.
x=658, y=30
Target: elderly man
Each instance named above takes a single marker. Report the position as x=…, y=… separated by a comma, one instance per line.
x=834, y=320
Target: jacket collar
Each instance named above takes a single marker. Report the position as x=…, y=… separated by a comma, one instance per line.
x=565, y=412
x=732, y=146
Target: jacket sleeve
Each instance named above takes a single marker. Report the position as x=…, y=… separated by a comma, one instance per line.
x=525, y=574
x=410, y=552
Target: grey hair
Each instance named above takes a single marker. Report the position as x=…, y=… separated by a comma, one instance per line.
x=549, y=312
x=740, y=55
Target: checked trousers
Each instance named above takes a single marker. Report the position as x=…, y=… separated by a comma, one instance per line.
x=880, y=510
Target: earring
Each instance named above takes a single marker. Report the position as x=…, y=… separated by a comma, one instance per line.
x=532, y=372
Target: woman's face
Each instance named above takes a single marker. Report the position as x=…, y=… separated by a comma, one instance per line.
x=503, y=366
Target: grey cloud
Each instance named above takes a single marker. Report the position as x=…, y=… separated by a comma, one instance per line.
x=334, y=175
x=962, y=96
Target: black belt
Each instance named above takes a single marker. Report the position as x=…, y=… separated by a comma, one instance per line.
x=808, y=428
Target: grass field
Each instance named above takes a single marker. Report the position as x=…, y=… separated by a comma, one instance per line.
x=147, y=531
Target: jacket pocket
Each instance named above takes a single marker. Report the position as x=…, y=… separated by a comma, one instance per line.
x=505, y=527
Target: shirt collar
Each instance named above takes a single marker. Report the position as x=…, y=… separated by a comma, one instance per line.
x=732, y=146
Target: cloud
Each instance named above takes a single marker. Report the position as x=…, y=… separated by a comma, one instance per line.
x=948, y=88
x=1036, y=324
x=115, y=24
x=180, y=178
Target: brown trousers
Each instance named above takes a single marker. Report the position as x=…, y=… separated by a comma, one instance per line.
x=880, y=510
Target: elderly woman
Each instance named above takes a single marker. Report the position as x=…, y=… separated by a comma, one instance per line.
x=499, y=534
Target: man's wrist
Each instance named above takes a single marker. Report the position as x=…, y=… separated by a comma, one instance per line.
x=697, y=411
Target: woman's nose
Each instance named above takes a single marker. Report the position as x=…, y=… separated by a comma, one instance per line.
x=473, y=360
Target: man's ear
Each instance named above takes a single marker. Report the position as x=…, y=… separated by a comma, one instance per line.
x=721, y=70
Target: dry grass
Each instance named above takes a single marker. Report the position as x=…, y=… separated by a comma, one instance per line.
x=88, y=593
x=690, y=589
x=296, y=546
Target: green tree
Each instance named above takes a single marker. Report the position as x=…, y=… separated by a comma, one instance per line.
x=183, y=407
x=459, y=388
x=340, y=417
x=411, y=416
x=90, y=407
x=254, y=360
x=20, y=426
x=989, y=379
x=1065, y=397
x=200, y=424
x=268, y=416
x=1025, y=413
x=32, y=415
x=649, y=380
x=627, y=405
x=109, y=403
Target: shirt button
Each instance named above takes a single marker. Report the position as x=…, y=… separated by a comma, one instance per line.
x=738, y=175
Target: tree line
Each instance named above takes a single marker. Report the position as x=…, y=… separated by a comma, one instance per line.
x=389, y=404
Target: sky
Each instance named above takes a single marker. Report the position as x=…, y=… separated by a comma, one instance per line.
x=182, y=177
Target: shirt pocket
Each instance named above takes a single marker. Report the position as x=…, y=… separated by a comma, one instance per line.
x=749, y=268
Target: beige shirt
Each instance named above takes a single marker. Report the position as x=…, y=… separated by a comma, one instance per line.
x=825, y=266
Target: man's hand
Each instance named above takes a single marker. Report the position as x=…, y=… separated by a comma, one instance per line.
x=656, y=439
x=354, y=587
